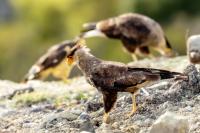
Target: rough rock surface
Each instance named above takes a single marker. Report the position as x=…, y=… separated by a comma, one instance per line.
x=170, y=123
x=77, y=107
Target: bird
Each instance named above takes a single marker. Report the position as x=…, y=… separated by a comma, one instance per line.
x=137, y=33
x=112, y=77
x=193, y=49
x=51, y=63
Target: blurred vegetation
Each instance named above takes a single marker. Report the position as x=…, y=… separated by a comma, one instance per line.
x=28, y=28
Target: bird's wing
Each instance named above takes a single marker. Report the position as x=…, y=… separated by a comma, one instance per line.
x=133, y=27
x=122, y=77
x=134, y=77
x=113, y=76
x=54, y=55
x=51, y=59
x=45, y=62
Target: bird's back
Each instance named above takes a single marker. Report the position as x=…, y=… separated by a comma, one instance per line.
x=49, y=62
x=144, y=30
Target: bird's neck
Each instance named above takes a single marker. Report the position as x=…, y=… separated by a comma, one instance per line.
x=86, y=61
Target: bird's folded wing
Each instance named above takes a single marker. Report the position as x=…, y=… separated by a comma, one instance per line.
x=133, y=28
x=133, y=79
x=119, y=76
x=52, y=59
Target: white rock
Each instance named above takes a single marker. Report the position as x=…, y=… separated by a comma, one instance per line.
x=104, y=128
x=85, y=132
x=170, y=123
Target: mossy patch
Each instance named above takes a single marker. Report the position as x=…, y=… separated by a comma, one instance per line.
x=28, y=99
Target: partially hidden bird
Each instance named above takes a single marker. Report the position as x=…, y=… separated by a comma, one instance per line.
x=109, y=77
x=137, y=33
x=52, y=63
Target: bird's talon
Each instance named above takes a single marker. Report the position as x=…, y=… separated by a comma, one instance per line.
x=132, y=113
x=106, y=118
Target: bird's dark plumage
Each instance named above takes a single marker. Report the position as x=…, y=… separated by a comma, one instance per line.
x=113, y=77
x=134, y=30
x=52, y=62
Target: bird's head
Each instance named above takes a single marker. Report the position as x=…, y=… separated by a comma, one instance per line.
x=72, y=51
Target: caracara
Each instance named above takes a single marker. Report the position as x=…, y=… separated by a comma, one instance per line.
x=112, y=77
x=193, y=49
x=52, y=63
x=137, y=33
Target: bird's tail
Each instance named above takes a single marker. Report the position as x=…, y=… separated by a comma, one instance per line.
x=24, y=80
x=168, y=43
x=175, y=75
x=169, y=52
x=29, y=77
x=154, y=74
x=34, y=73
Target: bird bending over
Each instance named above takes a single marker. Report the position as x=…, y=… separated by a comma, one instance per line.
x=112, y=77
x=51, y=63
x=137, y=33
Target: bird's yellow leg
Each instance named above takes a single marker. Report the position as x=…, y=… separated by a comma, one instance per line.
x=65, y=80
x=134, y=106
x=109, y=100
x=106, y=118
x=165, y=51
x=168, y=50
x=134, y=56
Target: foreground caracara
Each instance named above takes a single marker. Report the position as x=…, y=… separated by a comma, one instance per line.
x=137, y=33
x=113, y=77
x=51, y=63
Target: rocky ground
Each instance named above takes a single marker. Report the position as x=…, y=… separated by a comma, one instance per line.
x=73, y=107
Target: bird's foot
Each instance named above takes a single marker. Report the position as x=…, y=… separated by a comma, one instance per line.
x=134, y=57
x=66, y=81
x=106, y=118
x=132, y=112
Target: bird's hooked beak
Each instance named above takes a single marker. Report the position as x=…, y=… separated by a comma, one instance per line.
x=70, y=60
x=71, y=52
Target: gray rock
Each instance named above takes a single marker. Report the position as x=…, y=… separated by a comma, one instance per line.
x=56, y=118
x=170, y=123
x=86, y=125
x=104, y=128
x=84, y=116
x=92, y=106
x=131, y=129
x=67, y=115
x=76, y=112
x=188, y=108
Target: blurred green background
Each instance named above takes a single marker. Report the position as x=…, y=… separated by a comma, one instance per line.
x=29, y=27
